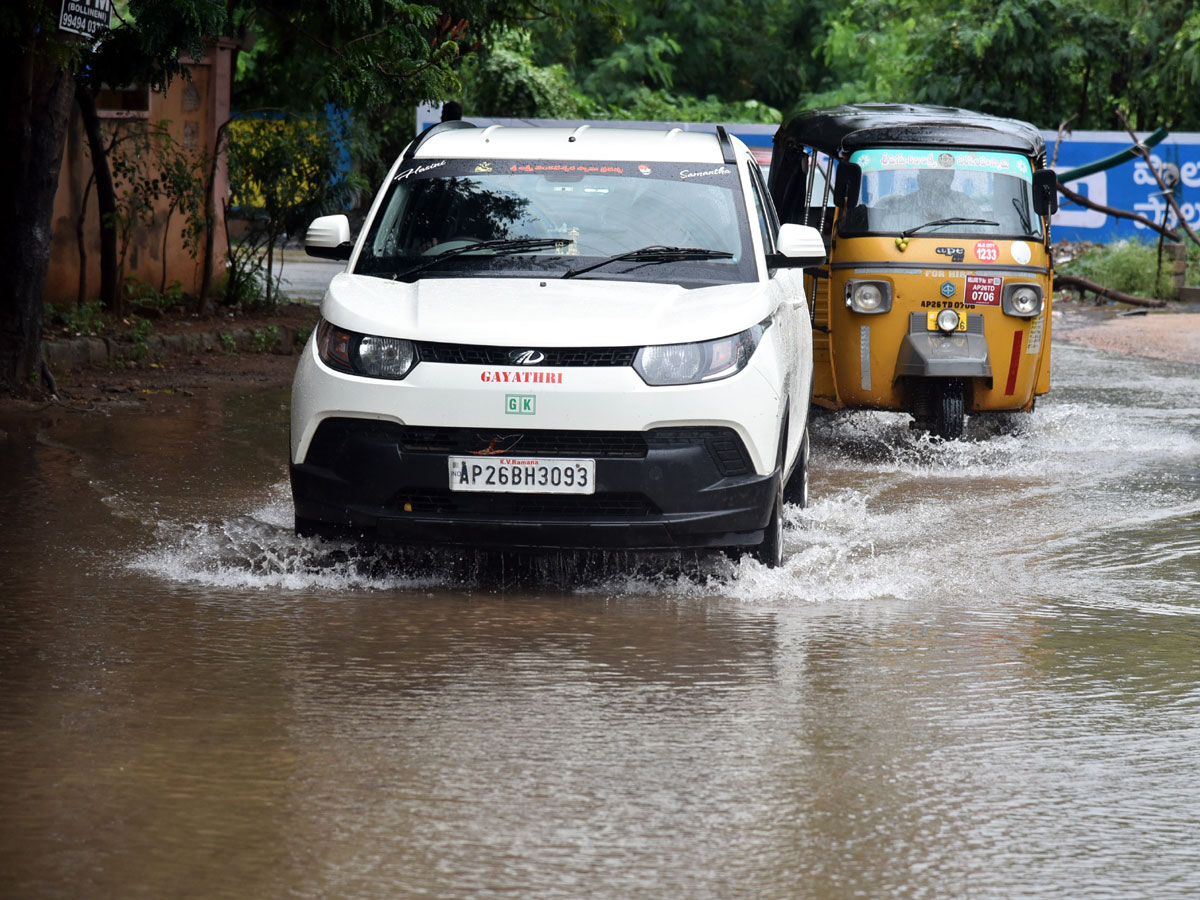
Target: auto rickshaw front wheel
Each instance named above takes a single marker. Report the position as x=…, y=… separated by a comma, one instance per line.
x=947, y=409
x=939, y=408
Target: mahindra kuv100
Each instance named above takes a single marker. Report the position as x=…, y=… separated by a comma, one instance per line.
x=580, y=338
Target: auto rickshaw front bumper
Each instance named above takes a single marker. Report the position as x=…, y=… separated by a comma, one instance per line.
x=934, y=354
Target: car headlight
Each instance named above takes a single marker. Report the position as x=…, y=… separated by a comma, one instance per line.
x=364, y=354
x=1024, y=300
x=869, y=296
x=665, y=364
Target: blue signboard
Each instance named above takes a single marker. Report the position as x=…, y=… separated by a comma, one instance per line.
x=1128, y=186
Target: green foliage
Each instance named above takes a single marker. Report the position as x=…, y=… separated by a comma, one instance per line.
x=77, y=321
x=646, y=62
x=1128, y=266
x=143, y=293
x=282, y=174
x=1045, y=61
x=138, y=331
x=633, y=83
x=365, y=56
x=644, y=104
x=506, y=82
x=145, y=43
x=263, y=340
x=92, y=319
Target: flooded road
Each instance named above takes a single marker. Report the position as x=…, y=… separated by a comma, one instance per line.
x=977, y=675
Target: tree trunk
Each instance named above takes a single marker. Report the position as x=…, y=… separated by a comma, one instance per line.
x=210, y=216
x=34, y=137
x=81, y=295
x=1075, y=282
x=106, y=200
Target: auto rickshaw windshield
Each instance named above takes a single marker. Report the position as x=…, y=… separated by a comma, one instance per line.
x=943, y=192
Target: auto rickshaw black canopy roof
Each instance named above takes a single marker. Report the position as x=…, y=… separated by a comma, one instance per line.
x=835, y=130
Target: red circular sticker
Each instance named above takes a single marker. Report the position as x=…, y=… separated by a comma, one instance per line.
x=987, y=251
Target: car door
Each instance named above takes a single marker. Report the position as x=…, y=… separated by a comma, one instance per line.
x=787, y=288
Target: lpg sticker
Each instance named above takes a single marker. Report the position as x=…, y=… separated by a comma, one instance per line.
x=520, y=404
x=987, y=251
x=983, y=290
x=1020, y=252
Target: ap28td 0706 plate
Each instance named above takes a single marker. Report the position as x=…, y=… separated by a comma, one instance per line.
x=517, y=475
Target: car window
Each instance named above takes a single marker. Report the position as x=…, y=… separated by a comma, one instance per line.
x=768, y=223
x=597, y=209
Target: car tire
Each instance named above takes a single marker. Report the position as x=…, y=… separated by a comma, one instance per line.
x=796, y=489
x=770, y=551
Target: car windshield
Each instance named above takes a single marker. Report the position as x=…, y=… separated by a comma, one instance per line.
x=545, y=218
x=943, y=192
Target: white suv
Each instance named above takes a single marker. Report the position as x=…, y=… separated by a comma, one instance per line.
x=560, y=338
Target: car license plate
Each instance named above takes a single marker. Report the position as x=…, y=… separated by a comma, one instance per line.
x=517, y=475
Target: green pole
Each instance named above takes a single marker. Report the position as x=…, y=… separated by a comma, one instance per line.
x=1109, y=161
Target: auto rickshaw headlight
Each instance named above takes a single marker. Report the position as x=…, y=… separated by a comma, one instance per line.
x=869, y=296
x=1024, y=300
x=947, y=321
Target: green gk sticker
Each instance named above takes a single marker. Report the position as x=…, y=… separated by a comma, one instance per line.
x=520, y=404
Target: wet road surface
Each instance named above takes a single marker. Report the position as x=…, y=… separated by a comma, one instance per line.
x=977, y=675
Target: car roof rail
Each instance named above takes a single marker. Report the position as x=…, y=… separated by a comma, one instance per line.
x=726, y=145
x=439, y=128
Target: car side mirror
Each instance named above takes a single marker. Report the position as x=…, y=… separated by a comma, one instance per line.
x=1045, y=192
x=799, y=246
x=328, y=237
x=847, y=183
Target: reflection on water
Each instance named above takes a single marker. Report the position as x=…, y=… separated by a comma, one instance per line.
x=977, y=674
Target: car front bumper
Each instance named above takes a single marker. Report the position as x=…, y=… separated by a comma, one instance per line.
x=666, y=488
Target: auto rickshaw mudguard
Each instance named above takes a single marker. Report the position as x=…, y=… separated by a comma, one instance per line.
x=931, y=354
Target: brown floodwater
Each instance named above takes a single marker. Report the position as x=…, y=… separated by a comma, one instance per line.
x=976, y=675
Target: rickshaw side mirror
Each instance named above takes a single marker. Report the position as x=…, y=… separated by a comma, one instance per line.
x=1045, y=192
x=799, y=246
x=847, y=183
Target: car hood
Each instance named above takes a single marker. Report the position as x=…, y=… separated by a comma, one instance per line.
x=519, y=311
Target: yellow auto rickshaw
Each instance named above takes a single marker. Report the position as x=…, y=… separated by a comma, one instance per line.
x=936, y=297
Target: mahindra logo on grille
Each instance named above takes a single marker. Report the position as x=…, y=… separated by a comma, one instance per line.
x=526, y=357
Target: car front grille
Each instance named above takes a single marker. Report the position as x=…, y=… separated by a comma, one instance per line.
x=483, y=355
x=337, y=437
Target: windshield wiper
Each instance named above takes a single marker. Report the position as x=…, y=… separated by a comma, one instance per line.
x=953, y=220
x=655, y=253
x=501, y=247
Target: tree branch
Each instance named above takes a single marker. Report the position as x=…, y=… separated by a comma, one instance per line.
x=1062, y=282
x=1141, y=150
x=1058, y=143
x=1113, y=211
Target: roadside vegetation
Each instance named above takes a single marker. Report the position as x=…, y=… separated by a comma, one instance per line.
x=1137, y=268
x=324, y=92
